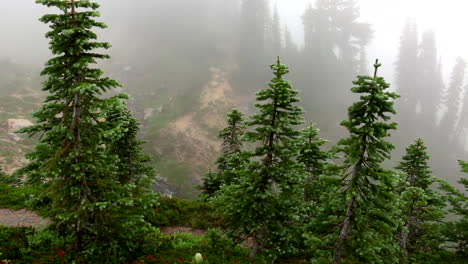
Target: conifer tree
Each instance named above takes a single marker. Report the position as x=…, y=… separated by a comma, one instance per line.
x=452, y=99
x=422, y=207
x=231, y=158
x=211, y=184
x=231, y=136
x=456, y=232
x=132, y=165
x=430, y=89
x=366, y=186
x=313, y=158
x=88, y=154
x=267, y=198
x=406, y=74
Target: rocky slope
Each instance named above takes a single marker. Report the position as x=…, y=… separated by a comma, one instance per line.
x=184, y=144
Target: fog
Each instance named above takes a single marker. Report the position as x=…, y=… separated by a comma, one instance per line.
x=23, y=34
x=163, y=51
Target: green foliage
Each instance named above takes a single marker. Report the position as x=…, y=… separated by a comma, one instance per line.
x=15, y=197
x=456, y=231
x=231, y=158
x=314, y=160
x=28, y=245
x=211, y=184
x=423, y=208
x=266, y=199
x=88, y=156
x=9, y=179
x=177, y=212
x=369, y=209
x=415, y=165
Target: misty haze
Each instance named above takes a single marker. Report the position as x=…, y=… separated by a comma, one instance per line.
x=261, y=131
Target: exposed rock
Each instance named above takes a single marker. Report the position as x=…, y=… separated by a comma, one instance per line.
x=15, y=124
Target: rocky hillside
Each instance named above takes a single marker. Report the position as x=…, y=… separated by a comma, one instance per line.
x=184, y=144
x=19, y=98
x=188, y=145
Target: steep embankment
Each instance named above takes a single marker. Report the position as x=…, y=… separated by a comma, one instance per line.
x=180, y=125
x=188, y=145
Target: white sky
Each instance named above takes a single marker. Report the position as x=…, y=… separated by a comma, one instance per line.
x=447, y=18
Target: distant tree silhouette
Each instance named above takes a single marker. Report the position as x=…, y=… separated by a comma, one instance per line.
x=453, y=100
x=407, y=72
x=430, y=85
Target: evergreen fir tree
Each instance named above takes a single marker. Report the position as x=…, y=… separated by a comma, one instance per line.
x=84, y=154
x=231, y=136
x=132, y=165
x=422, y=207
x=452, y=99
x=266, y=200
x=211, y=184
x=456, y=232
x=366, y=231
x=313, y=158
x=231, y=158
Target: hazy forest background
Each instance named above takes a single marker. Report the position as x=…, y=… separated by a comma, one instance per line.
x=186, y=64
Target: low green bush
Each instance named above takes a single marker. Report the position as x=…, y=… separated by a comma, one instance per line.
x=177, y=212
x=19, y=197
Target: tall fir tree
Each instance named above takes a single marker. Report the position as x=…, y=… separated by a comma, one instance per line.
x=368, y=224
x=231, y=158
x=423, y=208
x=266, y=200
x=79, y=155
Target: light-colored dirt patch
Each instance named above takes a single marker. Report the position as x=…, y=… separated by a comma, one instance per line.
x=170, y=230
x=216, y=91
x=190, y=143
x=186, y=125
x=21, y=217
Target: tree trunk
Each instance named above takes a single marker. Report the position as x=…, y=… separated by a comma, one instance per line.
x=339, y=246
x=255, y=247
